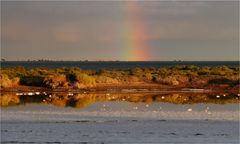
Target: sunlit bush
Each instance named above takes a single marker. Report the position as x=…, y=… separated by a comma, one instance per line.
x=105, y=79
x=78, y=78
x=169, y=80
x=55, y=81
x=5, y=82
x=85, y=79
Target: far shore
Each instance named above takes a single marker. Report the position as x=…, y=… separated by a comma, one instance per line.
x=176, y=78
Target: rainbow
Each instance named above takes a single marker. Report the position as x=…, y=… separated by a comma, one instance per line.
x=134, y=34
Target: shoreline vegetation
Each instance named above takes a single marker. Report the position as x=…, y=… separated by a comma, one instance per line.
x=221, y=78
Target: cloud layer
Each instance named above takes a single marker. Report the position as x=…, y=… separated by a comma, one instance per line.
x=94, y=30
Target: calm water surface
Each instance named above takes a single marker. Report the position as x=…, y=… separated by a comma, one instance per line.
x=116, y=64
x=120, y=118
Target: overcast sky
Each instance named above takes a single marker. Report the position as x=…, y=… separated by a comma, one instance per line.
x=97, y=30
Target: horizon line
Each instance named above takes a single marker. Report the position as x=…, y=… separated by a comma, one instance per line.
x=119, y=61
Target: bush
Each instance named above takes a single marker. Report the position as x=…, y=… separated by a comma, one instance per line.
x=113, y=73
x=15, y=81
x=130, y=79
x=55, y=81
x=133, y=79
x=6, y=82
x=105, y=79
x=222, y=71
x=204, y=71
x=221, y=81
x=169, y=80
x=32, y=80
x=137, y=72
x=85, y=79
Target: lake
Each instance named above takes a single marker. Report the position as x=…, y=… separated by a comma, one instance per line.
x=95, y=65
x=151, y=117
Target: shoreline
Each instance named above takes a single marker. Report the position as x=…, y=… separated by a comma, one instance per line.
x=78, y=99
x=121, y=89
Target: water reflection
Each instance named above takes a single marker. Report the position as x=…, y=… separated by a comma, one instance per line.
x=84, y=99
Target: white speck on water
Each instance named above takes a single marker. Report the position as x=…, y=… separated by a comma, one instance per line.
x=135, y=108
x=37, y=93
x=19, y=93
x=30, y=93
x=217, y=96
x=189, y=110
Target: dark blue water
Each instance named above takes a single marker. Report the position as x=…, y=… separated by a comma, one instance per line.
x=115, y=65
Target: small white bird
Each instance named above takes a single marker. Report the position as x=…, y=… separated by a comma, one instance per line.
x=30, y=93
x=189, y=110
x=37, y=93
x=19, y=93
x=135, y=108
